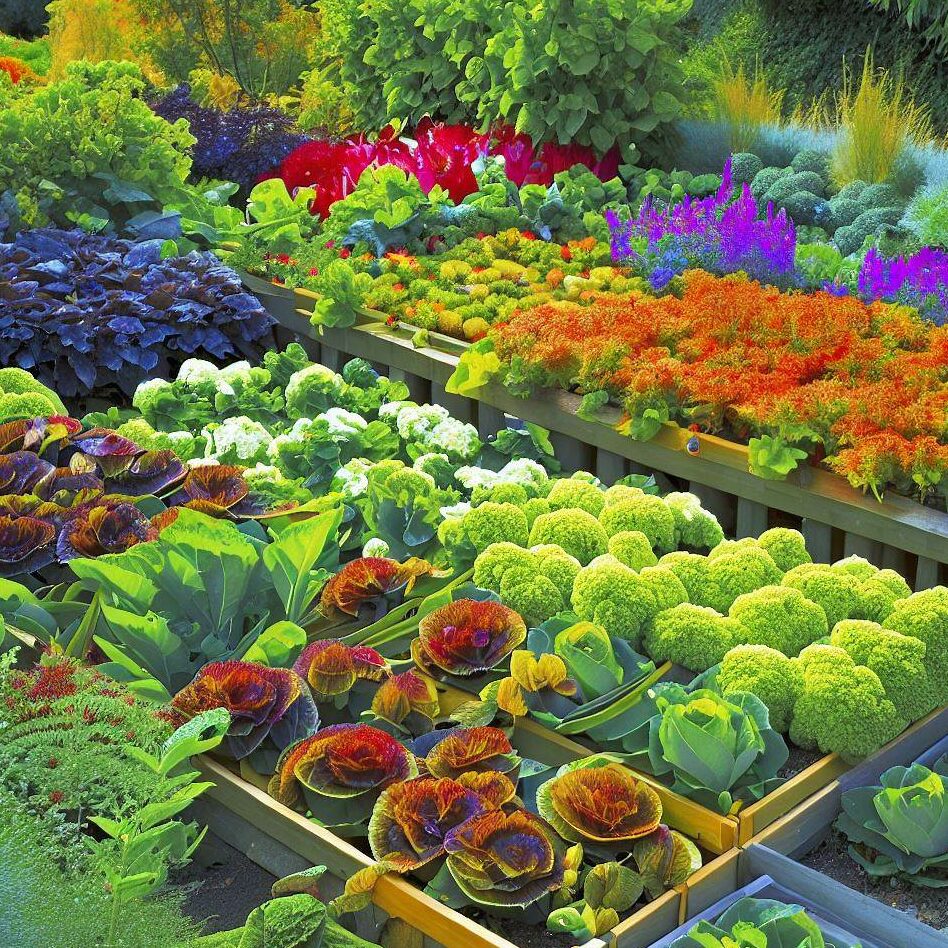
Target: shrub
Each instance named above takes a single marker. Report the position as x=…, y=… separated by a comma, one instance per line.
x=582, y=72
x=261, y=44
x=92, y=30
x=87, y=149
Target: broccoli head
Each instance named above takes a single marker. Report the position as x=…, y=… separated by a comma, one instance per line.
x=632, y=549
x=491, y=523
x=497, y=559
x=924, y=615
x=27, y=405
x=856, y=566
x=842, y=707
x=733, y=571
x=898, y=660
x=877, y=599
x=556, y=564
x=620, y=492
x=535, y=507
x=766, y=178
x=575, y=492
x=576, y=531
x=787, y=547
x=780, y=617
x=845, y=210
x=535, y=599
x=16, y=381
x=691, y=570
x=693, y=636
x=695, y=527
x=619, y=599
x=767, y=673
x=835, y=591
x=646, y=513
x=502, y=493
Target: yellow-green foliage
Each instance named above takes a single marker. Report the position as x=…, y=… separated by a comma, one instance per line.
x=876, y=119
x=94, y=30
x=745, y=105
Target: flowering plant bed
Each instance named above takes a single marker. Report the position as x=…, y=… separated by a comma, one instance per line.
x=401, y=899
x=820, y=499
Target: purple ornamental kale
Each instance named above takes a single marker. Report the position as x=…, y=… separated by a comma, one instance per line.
x=241, y=145
x=82, y=311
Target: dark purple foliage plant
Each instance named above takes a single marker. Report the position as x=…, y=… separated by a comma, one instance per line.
x=82, y=311
x=241, y=144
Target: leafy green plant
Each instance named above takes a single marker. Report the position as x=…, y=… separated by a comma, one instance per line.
x=900, y=827
x=760, y=923
x=204, y=591
x=88, y=150
x=139, y=850
x=68, y=904
x=584, y=72
x=927, y=216
x=293, y=918
x=717, y=750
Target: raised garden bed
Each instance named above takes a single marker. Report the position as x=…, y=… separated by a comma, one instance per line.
x=836, y=520
x=808, y=848
x=744, y=822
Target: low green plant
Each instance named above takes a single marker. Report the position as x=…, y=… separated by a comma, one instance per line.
x=900, y=826
x=927, y=217
x=45, y=904
x=88, y=150
x=139, y=850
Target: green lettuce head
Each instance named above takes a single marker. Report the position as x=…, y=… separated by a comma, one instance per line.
x=900, y=828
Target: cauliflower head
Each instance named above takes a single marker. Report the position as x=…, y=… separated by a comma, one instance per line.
x=648, y=514
x=842, y=707
x=763, y=671
x=576, y=531
x=835, y=591
x=632, y=547
x=787, y=547
x=898, y=660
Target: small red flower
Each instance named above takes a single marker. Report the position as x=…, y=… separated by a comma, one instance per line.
x=56, y=797
x=345, y=253
x=314, y=271
x=566, y=253
x=53, y=763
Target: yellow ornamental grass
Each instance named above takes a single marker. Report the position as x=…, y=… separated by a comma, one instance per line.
x=876, y=121
x=745, y=105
